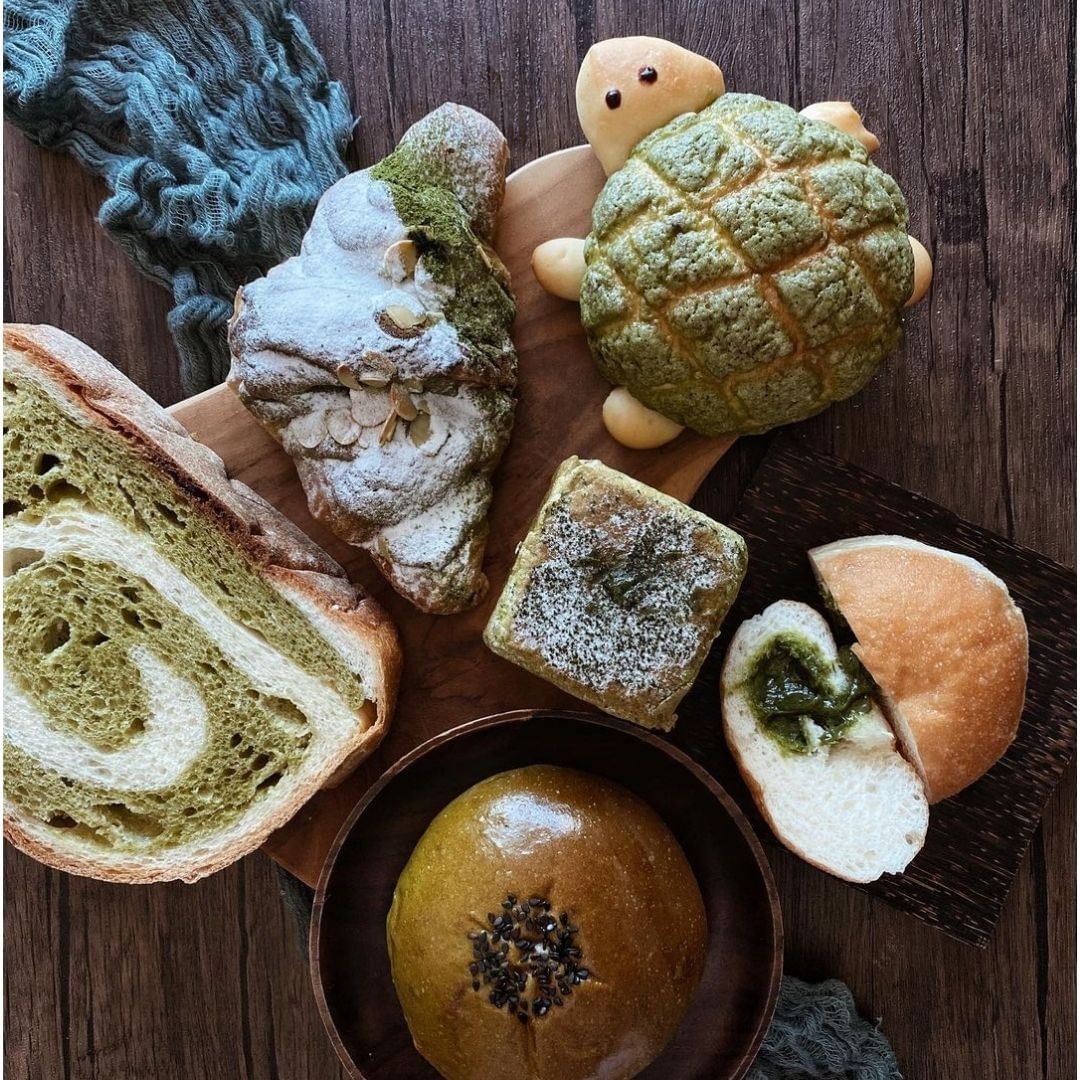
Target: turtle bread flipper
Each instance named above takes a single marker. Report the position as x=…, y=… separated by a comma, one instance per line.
x=381, y=357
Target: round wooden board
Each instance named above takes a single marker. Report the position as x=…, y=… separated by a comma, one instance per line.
x=449, y=675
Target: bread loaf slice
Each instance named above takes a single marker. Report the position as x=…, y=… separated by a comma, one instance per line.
x=183, y=667
x=850, y=805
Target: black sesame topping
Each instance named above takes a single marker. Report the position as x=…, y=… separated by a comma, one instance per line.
x=613, y=99
x=544, y=954
x=647, y=74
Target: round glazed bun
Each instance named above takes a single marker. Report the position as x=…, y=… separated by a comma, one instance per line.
x=628, y=954
x=854, y=808
x=945, y=644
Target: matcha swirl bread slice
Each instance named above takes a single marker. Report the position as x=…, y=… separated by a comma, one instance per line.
x=183, y=667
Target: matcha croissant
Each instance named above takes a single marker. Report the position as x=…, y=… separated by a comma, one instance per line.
x=381, y=358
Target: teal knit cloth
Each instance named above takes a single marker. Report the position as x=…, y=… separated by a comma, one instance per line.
x=817, y=1034
x=213, y=124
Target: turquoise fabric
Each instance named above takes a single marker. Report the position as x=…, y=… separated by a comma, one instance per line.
x=214, y=125
x=817, y=1034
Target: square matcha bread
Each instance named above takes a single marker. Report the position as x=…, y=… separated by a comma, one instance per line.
x=617, y=593
x=183, y=668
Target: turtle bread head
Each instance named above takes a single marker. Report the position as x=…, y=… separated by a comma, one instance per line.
x=746, y=267
x=630, y=86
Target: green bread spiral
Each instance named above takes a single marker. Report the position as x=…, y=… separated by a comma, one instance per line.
x=71, y=622
x=70, y=642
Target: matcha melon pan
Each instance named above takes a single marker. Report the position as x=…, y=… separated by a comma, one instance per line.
x=449, y=675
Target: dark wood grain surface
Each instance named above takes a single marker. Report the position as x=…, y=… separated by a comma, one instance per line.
x=974, y=107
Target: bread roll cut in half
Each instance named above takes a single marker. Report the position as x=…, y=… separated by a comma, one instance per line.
x=183, y=667
x=815, y=750
x=945, y=644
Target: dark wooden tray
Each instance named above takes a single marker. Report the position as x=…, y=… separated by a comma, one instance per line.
x=976, y=841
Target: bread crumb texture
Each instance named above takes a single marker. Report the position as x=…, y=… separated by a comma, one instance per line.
x=99, y=661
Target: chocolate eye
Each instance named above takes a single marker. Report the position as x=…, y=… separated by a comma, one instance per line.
x=647, y=74
x=613, y=99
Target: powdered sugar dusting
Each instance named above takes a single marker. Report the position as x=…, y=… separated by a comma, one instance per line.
x=345, y=354
x=618, y=593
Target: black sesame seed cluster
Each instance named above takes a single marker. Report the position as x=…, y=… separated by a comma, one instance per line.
x=527, y=942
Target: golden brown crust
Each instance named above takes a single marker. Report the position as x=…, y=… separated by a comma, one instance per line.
x=596, y=852
x=274, y=546
x=945, y=643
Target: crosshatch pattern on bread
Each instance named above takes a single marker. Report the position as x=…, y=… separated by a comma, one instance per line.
x=746, y=268
x=183, y=667
x=617, y=593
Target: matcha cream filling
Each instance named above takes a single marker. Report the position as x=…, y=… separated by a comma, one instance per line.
x=802, y=700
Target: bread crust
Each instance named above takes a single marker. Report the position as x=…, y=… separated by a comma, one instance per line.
x=602, y=856
x=276, y=548
x=946, y=645
x=688, y=83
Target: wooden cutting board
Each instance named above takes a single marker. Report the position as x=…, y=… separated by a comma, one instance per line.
x=449, y=675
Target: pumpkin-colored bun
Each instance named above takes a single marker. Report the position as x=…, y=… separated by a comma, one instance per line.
x=547, y=927
x=746, y=268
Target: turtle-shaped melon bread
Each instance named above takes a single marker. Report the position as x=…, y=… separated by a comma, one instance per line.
x=381, y=358
x=747, y=265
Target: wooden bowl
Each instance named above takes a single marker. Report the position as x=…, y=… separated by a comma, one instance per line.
x=350, y=967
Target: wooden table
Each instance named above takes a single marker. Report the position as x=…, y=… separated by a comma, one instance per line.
x=975, y=114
